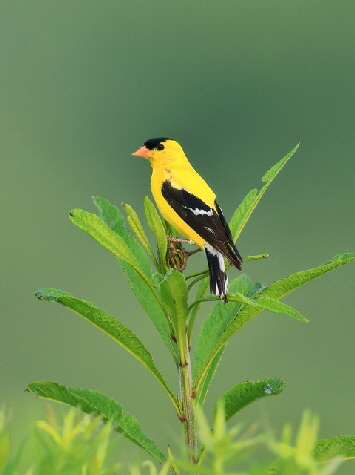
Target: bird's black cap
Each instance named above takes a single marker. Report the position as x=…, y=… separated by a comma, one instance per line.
x=154, y=143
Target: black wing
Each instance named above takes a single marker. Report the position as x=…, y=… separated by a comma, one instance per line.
x=204, y=220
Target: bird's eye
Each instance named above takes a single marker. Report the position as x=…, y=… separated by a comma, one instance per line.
x=160, y=146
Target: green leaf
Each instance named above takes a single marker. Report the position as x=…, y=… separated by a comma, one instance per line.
x=279, y=288
x=144, y=286
x=173, y=290
x=111, y=327
x=201, y=292
x=95, y=403
x=91, y=402
x=111, y=215
x=256, y=288
x=202, y=393
x=204, y=347
x=114, y=219
x=255, y=258
x=244, y=211
x=152, y=305
x=137, y=228
x=131, y=429
x=276, y=290
x=209, y=335
x=213, y=326
x=99, y=230
x=339, y=446
x=11, y=464
x=275, y=306
x=11, y=458
x=274, y=170
x=158, y=229
x=243, y=394
x=169, y=230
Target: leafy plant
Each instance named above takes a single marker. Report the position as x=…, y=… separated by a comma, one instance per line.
x=72, y=443
x=168, y=297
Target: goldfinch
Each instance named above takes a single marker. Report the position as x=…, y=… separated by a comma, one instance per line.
x=189, y=205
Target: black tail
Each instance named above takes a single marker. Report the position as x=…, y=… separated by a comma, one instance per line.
x=218, y=276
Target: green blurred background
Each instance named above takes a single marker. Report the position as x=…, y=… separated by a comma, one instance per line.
x=238, y=84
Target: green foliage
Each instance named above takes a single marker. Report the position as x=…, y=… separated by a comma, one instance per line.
x=95, y=403
x=137, y=228
x=276, y=290
x=173, y=290
x=157, y=227
x=247, y=206
x=70, y=445
x=77, y=444
x=144, y=290
x=111, y=327
x=170, y=300
x=243, y=394
x=340, y=446
x=225, y=449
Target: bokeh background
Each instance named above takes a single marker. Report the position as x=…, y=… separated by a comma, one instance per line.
x=238, y=84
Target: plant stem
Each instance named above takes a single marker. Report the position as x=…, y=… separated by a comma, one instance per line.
x=186, y=395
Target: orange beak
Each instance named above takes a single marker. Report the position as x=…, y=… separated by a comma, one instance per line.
x=143, y=152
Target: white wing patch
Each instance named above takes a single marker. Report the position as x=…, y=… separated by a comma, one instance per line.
x=197, y=211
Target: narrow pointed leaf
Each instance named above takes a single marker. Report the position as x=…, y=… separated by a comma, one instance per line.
x=152, y=305
x=111, y=327
x=111, y=215
x=243, y=394
x=138, y=230
x=131, y=429
x=205, y=346
x=255, y=258
x=275, y=169
x=11, y=465
x=100, y=231
x=201, y=292
x=91, y=402
x=158, y=229
x=215, y=323
x=173, y=290
x=244, y=211
x=276, y=290
x=96, y=403
x=339, y=446
x=115, y=221
x=281, y=287
x=268, y=303
x=202, y=393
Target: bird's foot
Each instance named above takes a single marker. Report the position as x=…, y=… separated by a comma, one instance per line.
x=187, y=241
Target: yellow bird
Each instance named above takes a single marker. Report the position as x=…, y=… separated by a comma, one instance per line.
x=189, y=205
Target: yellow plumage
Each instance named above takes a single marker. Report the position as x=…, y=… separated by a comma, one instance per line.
x=189, y=205
x=174, y=167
